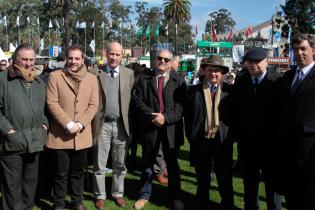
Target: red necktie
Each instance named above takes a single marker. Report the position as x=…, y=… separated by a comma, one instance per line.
x=160, y=92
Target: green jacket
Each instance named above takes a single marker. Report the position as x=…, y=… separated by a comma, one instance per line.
x=22, y=109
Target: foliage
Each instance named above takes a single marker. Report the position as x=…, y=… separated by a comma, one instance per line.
x=177, y=10
x=221, y=20
x=300, y=14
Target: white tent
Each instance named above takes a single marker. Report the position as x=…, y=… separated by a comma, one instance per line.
x=2, y=55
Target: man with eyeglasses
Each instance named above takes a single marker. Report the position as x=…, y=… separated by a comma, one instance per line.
x=3, y=65
x=159, y=101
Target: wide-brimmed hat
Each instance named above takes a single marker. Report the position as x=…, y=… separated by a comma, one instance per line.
x=215, y=60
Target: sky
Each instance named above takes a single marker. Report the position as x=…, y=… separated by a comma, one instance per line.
x=244, y=12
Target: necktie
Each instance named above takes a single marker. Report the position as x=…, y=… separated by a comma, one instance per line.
x=213, y=91
x=111, y=72
x=160, y=92
x=256, y=83
x=299, y=79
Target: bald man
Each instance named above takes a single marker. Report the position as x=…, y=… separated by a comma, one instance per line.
x=111, y=125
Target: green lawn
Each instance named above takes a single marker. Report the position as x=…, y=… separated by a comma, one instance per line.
x=159, y=198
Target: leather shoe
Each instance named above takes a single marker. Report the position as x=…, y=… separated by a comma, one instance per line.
x=161, y=179
x=178, y=204
x=140, y=203
x=79, y=207
x=120, y=201
x=100, y=204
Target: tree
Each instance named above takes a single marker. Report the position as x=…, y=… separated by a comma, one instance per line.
x=221, y=20
x=300, y=15
x=177, y=11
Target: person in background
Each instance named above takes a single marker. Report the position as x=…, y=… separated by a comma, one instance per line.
x=3, y=65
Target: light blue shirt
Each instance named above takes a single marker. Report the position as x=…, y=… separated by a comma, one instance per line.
x=260, y=78
x=116, y=71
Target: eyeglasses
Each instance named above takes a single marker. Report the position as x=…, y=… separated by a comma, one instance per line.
x=165, y=59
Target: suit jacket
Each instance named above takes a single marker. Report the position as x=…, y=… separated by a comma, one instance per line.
x=196, y=113
x=253, y=115
x=300, y=106
x=145, y=101
x=126, y=81
x=65, y=105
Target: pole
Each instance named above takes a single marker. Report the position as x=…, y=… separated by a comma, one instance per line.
x=94, y=44
x=19, y=34
x=7, y=36
x=85, y=40
x=48, y=38
x=39, y=52
x=103, y=41
x=29, y=34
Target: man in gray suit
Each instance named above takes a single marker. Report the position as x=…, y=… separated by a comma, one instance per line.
x=111, y=125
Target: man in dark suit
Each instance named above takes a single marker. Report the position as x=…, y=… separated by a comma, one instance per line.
x=207, y=120
x=159, y=101
x=252, y=98
x=298, y=102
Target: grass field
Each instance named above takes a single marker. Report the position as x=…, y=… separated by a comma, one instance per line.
x=159, y=198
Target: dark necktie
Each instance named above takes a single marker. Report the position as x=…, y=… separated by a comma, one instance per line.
x=213, y=91
x=160, y=92
x=111, y=72
x=256, y=83
x=299, y=79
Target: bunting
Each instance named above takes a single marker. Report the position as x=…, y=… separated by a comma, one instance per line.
x=147, y=31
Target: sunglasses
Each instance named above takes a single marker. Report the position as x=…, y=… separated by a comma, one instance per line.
x=2, y=64
x=165, y=59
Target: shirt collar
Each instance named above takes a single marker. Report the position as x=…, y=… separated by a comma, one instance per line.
x=307, y=68
x=260, y=78
x=210, y=84
x=116, y=70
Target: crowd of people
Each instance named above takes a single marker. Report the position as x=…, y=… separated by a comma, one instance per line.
x=68, y=112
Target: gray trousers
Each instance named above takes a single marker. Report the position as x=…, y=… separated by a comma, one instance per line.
x=160, y=164
x=114, y=137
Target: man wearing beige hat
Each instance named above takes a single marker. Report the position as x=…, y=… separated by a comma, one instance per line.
x=209, y=132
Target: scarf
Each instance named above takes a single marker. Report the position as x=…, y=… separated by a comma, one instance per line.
x=212, y=120
x=27, y=75
x=76, y=76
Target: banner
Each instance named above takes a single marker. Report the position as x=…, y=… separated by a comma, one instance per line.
x=238, y=53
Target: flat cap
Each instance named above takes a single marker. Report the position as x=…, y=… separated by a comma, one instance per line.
x=256, y=54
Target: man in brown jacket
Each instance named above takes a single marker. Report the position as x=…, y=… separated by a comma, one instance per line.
x=72, y=100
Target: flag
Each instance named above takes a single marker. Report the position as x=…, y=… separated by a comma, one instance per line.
x=102, y=25
x=289, y=34
x=214, y=34
x=147, y=31
x=92, y=45
x=278, y=36
x=12, y=47
x=50, y=24
x=93, y=25
x=176, y=28
x=166, y=28
x=248, y=31
x=28, y=19
x=77, y=25
x=5, y=20
x=110, y=23
x=230, y=37
x=157, y=29
x=38, y=21
x=42, y=44
x=140, y=31
x=82, y=25
x=57, y=24
x=18, y=20
x=196, y=30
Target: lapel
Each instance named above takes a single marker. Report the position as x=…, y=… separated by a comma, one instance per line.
x=68, y=81
x=306, y=83
x=123, y=81
x=152, y=82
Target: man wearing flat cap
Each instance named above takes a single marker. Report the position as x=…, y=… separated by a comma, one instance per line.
x=207, y=127
x=252, y=99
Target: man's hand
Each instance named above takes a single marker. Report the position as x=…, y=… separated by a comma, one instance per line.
x=158, y=119
x=75, y=129
x=11, y=131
